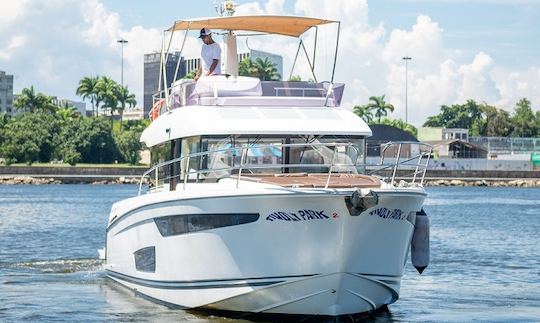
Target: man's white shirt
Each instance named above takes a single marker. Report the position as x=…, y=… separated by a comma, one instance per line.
x=208, y=54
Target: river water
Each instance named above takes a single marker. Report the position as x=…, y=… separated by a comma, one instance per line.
x=485, y=259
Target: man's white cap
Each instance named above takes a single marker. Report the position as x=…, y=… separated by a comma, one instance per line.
x=205, y=32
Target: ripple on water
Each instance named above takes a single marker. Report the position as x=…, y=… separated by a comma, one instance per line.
x=58, y=266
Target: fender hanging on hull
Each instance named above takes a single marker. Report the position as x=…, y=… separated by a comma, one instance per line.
x=420, y=242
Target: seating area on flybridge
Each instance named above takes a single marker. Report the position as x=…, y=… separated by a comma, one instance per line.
x=239, y=90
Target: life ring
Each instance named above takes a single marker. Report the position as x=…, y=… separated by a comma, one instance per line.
x=156, y=109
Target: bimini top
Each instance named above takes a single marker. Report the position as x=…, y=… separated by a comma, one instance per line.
x=280, y=25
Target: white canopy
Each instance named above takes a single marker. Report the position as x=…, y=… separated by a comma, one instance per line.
x=281, y=25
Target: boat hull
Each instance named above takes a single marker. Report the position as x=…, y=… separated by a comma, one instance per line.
x=305, y=254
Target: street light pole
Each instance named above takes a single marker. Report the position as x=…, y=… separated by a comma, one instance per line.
x=406, y=59
x=122, y=42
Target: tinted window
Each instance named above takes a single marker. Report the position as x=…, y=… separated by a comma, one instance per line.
x=180, y=224
x=145, y=259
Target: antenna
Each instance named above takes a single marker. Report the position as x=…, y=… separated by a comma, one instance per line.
x=227, y=8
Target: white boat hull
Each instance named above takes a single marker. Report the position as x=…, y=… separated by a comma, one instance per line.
x=333, y=264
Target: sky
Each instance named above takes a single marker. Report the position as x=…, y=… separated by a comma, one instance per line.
x=486, y=50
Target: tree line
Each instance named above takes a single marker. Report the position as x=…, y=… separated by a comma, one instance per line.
x=45, y=132
x=376, y=112
x=481, y=119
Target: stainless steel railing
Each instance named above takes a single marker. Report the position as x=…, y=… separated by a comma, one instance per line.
x=157, y=177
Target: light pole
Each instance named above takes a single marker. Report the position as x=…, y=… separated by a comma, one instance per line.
x=406, y=59
x=122, y=42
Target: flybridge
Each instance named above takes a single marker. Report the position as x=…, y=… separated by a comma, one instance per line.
x=230, y=89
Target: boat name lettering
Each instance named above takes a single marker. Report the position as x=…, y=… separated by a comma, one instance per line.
x=385, y=213
x=300, y=215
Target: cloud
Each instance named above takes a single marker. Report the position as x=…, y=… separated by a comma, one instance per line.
x=11, y=11
x=60, y=41
x=17, y=41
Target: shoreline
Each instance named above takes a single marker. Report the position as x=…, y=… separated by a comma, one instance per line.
x=94, y=180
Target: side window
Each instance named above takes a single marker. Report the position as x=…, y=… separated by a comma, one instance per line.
x=145, y=259
x=181, y=224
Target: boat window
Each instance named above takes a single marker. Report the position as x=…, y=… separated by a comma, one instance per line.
x=191, y=145
x=160, y=153
x=266, y=155
x=186, y=223
x=145, y=259
x=315, y=152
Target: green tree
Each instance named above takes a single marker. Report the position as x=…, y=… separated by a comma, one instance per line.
x=66, y=114
x=364, y=112
x=464, y=116
x=125, y=99
x=497, y=122
x=30, y=101
x=128, y=145
x=107, y=91
x=295, y=78
x=398, y=123
x=29, y=138
x=87, y=89
x=379, y=105
x=524, y=120
x=87, y=140
x=263, y=69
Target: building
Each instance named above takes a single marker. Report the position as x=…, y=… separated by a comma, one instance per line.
x=508, y=148
x=80, y=106
x=382, y=134
x=435, y=134
x=133, y=114
x=6, y=93
x=151, y=75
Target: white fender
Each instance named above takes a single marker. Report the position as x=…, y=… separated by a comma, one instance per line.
x=420, y=242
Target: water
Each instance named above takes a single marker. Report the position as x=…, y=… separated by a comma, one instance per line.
x=485, y=263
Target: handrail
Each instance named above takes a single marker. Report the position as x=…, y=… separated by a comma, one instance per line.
x=399, y=164
x=418, y=166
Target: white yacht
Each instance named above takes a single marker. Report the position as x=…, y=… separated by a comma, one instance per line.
x=259, y=199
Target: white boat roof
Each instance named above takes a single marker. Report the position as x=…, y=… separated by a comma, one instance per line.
x=280, y=25
x=250, y=120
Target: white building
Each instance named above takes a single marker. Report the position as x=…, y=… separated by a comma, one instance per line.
x=133, y=114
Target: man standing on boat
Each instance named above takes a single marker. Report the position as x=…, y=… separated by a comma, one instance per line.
x=210, y=55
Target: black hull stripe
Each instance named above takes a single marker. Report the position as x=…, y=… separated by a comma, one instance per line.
x=210, y=280
x=189, y=285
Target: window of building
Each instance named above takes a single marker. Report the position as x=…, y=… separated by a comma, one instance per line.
x=187, y=223
x=145, y=259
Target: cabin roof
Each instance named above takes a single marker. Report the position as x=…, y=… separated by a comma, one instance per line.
x=248, y=120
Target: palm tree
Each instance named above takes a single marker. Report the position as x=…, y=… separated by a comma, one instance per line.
x=364, y=112
x=124, y=98
x=88, y=89
x=31, y=102
x=107, y=91
x=67, y=113
x=265, y=70
x=380, y=106
x=27, y=101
